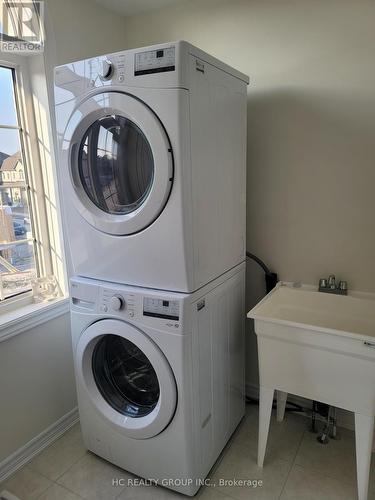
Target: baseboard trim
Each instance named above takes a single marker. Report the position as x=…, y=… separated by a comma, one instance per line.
x=344, y=418
x=27, y=452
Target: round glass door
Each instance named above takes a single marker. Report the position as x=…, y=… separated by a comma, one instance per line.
x=116, y=165
x=125, y=376
x=118, y=161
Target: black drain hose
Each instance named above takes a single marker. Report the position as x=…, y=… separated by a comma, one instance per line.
x=271, y=278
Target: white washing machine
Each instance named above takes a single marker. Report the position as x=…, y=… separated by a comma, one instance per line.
x=160, y=375
x=152, y=147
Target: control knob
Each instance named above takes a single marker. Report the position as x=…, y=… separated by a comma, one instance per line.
x=106, y=70
x=117, y=302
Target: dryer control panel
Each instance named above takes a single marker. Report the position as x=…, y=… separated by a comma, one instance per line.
x=154, y=61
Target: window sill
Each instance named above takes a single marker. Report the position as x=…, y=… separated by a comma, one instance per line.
x=29, y=316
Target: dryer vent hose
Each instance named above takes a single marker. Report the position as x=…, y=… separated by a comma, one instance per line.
x=271, y=278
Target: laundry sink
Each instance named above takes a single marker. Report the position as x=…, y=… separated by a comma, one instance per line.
x=321, y=347
x=352, y=315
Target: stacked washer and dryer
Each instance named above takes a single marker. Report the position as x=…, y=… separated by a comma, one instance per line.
x=152, y=146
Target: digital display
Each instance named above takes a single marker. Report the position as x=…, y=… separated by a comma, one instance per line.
x=160, y=308
x=154, y=61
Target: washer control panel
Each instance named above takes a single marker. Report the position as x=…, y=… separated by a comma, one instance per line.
x=161, y=308
x=113, y=302
x=154, y=61
x=158, y=310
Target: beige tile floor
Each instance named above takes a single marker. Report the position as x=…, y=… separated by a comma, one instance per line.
x=296, y=468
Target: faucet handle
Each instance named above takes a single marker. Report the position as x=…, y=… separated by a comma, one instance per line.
x=343, y=285
x=332, y=281
x=323, y=283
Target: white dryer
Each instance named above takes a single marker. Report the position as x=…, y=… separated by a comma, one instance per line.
x=152, y=176
x=160, y=375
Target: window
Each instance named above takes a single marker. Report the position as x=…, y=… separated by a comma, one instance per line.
x=26, y=251
x=17, y=242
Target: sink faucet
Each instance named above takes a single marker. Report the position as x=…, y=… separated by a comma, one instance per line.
x=329, y=286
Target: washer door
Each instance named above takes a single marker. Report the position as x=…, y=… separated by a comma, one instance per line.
x=127, y=378
x=120, y=163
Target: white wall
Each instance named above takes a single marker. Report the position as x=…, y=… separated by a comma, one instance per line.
x=311, y=116
x=37, y=379
x=37, y=385
x=82, y=29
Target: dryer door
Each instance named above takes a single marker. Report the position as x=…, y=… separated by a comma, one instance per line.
x=127, y=378
x=120, y=163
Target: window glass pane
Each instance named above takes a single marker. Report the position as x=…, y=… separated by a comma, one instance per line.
x=17, y=261
x=116, y=165
x=14, y=204
x=9, y=144
x=8, y=114
x=17, y=267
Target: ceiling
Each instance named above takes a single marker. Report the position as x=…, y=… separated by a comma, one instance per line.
x=131, y=7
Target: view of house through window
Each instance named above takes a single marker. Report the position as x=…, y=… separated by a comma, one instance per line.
x=17, y=253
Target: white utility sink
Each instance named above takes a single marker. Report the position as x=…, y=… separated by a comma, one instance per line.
x=349, y=315
x=320, y=346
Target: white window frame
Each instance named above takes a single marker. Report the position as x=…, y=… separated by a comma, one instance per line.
x=45, y=227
